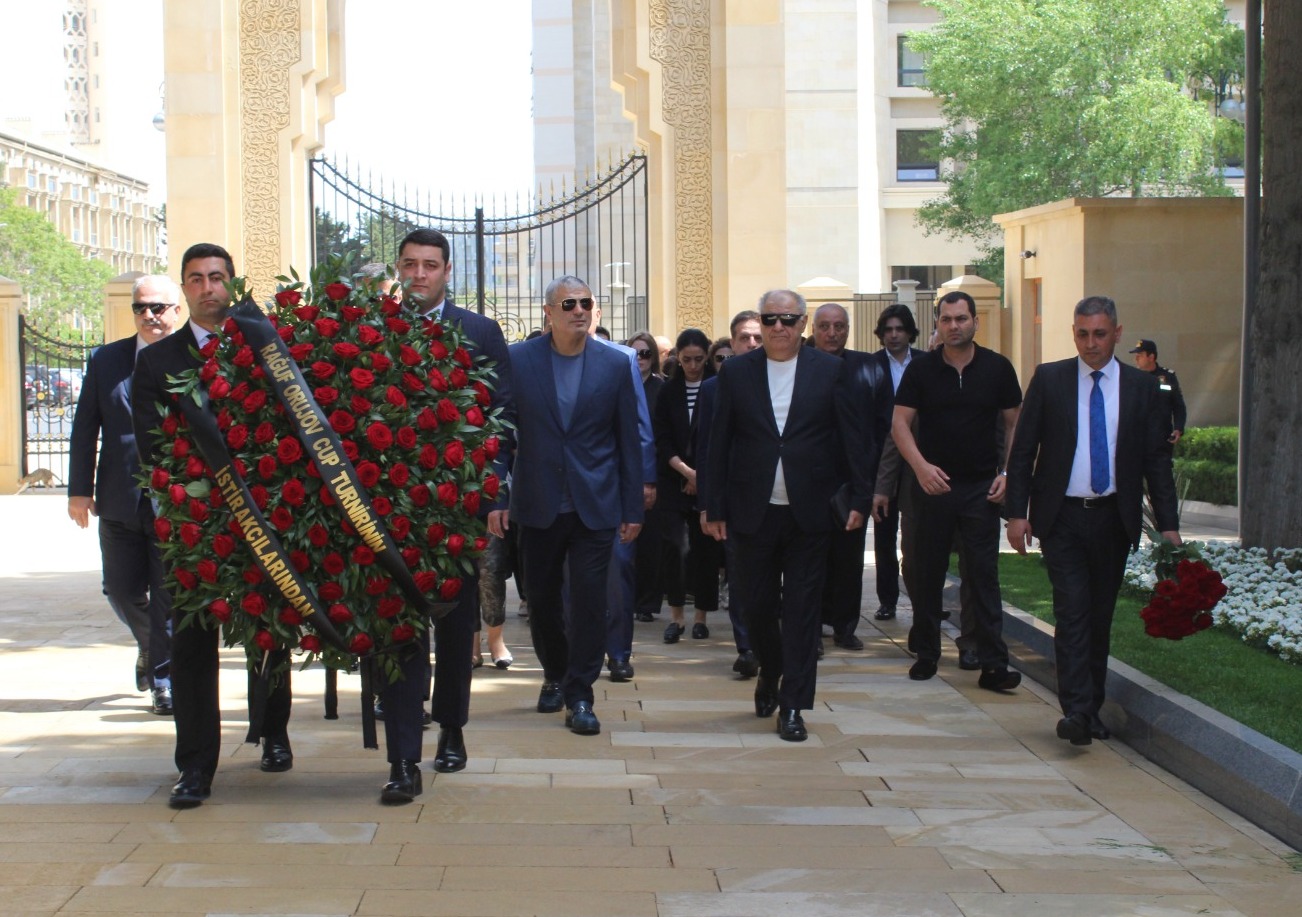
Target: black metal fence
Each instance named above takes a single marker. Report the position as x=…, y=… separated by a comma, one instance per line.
x=866, y=308
x=52, y=376
x=504, y=253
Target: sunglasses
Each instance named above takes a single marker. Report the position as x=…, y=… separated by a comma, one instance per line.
x=569, y=304
x=644, y=354
x=720, y=357
x=158, y=308
x=788, y=319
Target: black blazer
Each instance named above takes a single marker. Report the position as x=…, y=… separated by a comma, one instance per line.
x=675, y=435
x=1044, y=446
x=171, y=356
x=821, y=428
x=104, y=416
x=874, y=397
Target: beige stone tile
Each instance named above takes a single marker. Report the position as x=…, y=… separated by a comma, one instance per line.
x=957, y=800
x=742, y=766
x=1091, y=858
x=898, y=769
x=676, y=740
x=909, y=879
x=165, y=900
x=30, y=852
x=193, y=827
x=457, y=853
x=779, y=783
x=499, y=797
x=494, y=902
x=560, y=766
x=776, y=836
x=286, y=855
x=626, y=814
x=75, y=874
x=1046, y=905
x=455, y=782
x=75, y=795
x=275, y=875
x=744, y=797
x=1078, y=882
x=35, y=899
x=508, y=834
x=597, y=876
x=807, y=904
x=787, y=815
x=605, y=781
x=868, y=853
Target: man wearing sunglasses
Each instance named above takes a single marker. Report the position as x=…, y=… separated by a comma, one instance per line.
x=133, y=572
x=785, y=436
x=577, y=487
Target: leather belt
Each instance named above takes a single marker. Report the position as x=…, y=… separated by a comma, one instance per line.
x=1091, y=502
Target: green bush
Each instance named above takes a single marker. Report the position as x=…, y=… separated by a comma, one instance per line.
x=1207, y=462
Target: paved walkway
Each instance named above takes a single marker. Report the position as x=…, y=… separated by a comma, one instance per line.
x=930, y=798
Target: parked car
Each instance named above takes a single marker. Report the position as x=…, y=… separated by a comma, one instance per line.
x=66, y=383
x=36, y=386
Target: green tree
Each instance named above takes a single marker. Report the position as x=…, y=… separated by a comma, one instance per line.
x=337, y=238
x=1046, y=99
x=64, y=289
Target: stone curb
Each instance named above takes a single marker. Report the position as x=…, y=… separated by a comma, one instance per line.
x=1239, y=767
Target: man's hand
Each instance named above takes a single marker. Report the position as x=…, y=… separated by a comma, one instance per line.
x=881, y=507
x=499, y=521
x=1175, y=436
x=648, y=496
x=1173, y=537
x=932, y=479
x=1019, y=535
x=718, y=530
x=997, y=488
x=628, y=531
x=854, y=521
x=80, y=509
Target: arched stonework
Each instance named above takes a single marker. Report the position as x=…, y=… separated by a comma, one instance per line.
x=680, y=43
x=270, y=46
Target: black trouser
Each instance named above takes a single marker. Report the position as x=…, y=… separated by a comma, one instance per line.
x=648, y=566
x=133, y=584
x=884, y=556
x=963, y=509
x=1085, y=552
x=780, y=571
x=693, y=564
x=843, y=587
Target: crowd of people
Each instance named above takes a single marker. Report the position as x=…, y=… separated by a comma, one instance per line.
x=740, y=472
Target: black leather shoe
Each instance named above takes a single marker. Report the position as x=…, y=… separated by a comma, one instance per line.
x=142, y=672
x=404, y=783
x=885, y=613
x=673, y=632
x=191, y=790
x=922, y=669
x=1000, y=680
x=1098, y=730
x=581, y=720
x=451, y=754
x=766, y=697
x=791, y=728
x=276, y=757
x=644, y=616
x=968, y=660
x=1075, y=729
x=550, y=698
x=700, y=632
x=620, y=670
x=747, y=666
x=848, y=642
x=162, y=705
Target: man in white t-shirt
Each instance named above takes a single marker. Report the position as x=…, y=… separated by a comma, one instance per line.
x=784, y=414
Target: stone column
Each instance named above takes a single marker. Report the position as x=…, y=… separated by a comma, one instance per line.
x=11, y=388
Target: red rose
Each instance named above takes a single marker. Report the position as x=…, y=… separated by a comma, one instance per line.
x=369, y=335
x=254, y=604
x=400, y=526
x=252, y=575
x=339, y=613
x=346, y=351
x=223, y=545
x=290, y=616
x=436, y=348
x=447, y=411
x=481, y=543
x=406, y=437
x=318, y=535
x=267, y=467
x=285, y=333
x=412, y=382
x=399, y=475
x=322, y=369
x=337, y=291
x=378, y=585
x=198, y=510
x=300, y=352
x=410, y=556
x=287, y=299
x=300, y=561
x=363, y=556
x=207, y=570
x=362, y=378
x=158, y=480
x=381, y=505
x=380, y=363
x=264, y=433
x=471, y=502
x=419, y=495
x=215, y=499
x=359, y=405
x=437, y=380
x=350, y=449
x=454, y=453
x=220, y=609
x=180, y=448
x=397, y=325
x=389, y=607
x=492, y=446
x=307, y=313
x=481, y=394
x=170, y=424
x=351, y=313
x=435, y=533
x=475, y=417
x=310, y=643
x=281, y=518
x=326, y=395
x=293, y=493
x=332, y=563
x=408, y=355
x=191, y=534
x=425, y=580
x=492, y=484
x=241, y=469
x=265, y=641
x=394, y=396
x=330, y=592
x=478, y=457
x=208, y=372
x=458, y=378
x=240, y=392
x=218, y=389
x=455, y=544
x=244, y=357
x=379, y=436
x=402, y=633
x=368, y=473
x=342, y=422
x=448, y=494
x=255, y=402
x=176, y=493
x=450, y=589
x=186, y=578
x=427, y=420
x=462, y=356
x=360, y=644
x=259, y=495
x=162, y=529
x=194, y=467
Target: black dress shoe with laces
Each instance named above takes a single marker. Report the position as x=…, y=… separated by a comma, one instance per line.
x=766, y=696
x=1000, y=680
x=191, y=789
x=276, y=756
x=848, y=642
x=142, y=672
x=550, y=698
x=451, y=754
x=791, y=727
x=1075, y=729
x=162, y=703
x=404, y=783
x=747, y=666
x=620, y=670
x=968, y=660
x=582, y=721
x=885, y=613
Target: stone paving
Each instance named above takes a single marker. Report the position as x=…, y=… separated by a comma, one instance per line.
x=932, y=798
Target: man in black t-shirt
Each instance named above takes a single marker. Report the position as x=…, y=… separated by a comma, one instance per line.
x=959, y=394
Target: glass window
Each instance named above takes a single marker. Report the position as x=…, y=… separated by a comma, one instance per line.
x=917, y=156
x=912, y=66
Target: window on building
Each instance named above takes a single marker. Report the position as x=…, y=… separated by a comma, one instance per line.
x=928, y=276
x=917, y=156
x=911, y=67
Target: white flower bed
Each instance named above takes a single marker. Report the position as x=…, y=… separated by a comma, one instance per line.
x=1264, y=604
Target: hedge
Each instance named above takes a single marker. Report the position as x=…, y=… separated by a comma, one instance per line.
x=1207, y=462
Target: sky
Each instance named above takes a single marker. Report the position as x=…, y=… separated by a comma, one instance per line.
x=437, y=92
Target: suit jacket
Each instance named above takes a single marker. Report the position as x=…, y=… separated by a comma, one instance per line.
x=171, y=356
x=873, y=395
x=1044, y=446
x=104, y=417
x=675, y=435
x=598, y=456
x=822, y=431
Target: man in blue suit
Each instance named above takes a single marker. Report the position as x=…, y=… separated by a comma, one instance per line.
x=424, y=266
x=577, y=484
x=133, y=571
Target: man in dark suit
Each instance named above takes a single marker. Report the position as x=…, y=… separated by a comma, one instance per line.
x=872, y=397
x=206, y=269
x=133, y=572
x=1090, y=436
x=577, y=484
x=783, y=428
x=424, y=267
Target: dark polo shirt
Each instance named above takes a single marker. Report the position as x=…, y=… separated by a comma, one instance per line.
x=958, y=416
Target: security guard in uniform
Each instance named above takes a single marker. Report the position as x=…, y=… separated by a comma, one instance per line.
x=1168, y=388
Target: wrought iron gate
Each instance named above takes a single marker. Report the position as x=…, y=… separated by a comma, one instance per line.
x=52, y=375
x=501, y=264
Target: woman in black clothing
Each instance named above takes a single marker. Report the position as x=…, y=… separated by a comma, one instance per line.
x=694, y=560
x=647, y=563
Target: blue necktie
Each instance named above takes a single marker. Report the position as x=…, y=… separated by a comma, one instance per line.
x=1098, y=437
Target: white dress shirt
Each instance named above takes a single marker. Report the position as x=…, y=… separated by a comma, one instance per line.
x=1078, y=485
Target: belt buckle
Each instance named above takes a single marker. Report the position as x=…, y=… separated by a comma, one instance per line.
x=1092, y=502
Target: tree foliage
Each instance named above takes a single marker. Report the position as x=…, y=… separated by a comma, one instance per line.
x=1046, y=99
x=63, y=288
